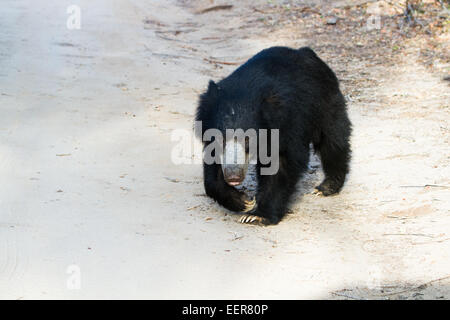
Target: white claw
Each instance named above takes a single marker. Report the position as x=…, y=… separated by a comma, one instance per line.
x=317, y=192
x=250, y=219
x=249, y=205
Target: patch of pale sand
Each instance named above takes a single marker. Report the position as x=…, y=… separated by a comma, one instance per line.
x=138, y=226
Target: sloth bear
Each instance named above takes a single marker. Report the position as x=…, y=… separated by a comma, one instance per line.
x=294, y=92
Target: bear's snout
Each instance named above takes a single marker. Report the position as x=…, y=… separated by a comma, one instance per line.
x=234, y=174
x=235, y=162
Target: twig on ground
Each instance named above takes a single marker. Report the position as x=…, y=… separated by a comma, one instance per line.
x=222, y=62
x=347, y=4
x=167, y=38
x=427, y=242
x=420, y=287
x=346, y=296
x=258, y=10
x=408, y=234
x=215, y=8
x=426, y=185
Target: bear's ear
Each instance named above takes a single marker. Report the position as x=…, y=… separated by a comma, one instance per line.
x=207, y=102
x=213, y=90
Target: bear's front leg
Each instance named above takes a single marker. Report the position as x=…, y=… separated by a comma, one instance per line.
x=224, y=194
x=274, y=193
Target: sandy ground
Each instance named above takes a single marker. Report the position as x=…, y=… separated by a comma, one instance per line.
x=88, y=184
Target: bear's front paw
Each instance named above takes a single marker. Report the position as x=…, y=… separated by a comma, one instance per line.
x=244, y=204
x=256, y=218
x=249, y=205
x=237, y=201
x=251, y=219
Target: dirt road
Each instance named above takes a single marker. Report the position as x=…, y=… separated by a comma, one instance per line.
x=91, y=205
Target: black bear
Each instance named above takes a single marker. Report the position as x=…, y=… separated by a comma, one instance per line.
x=291, y=90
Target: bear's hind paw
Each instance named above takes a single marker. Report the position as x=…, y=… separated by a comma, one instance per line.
x=317, y=192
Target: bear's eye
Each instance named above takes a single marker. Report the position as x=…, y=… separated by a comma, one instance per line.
x=273, y=100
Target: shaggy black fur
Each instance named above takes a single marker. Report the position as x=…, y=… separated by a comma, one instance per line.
x=290, y=90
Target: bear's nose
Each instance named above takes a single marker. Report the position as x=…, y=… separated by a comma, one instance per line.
x=234, y=180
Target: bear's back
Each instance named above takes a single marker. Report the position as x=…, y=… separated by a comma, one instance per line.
x=282, y=64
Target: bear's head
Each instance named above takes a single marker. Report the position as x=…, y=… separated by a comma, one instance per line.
x=234, y=120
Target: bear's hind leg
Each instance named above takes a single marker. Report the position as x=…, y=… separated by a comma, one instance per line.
x=334, y=150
